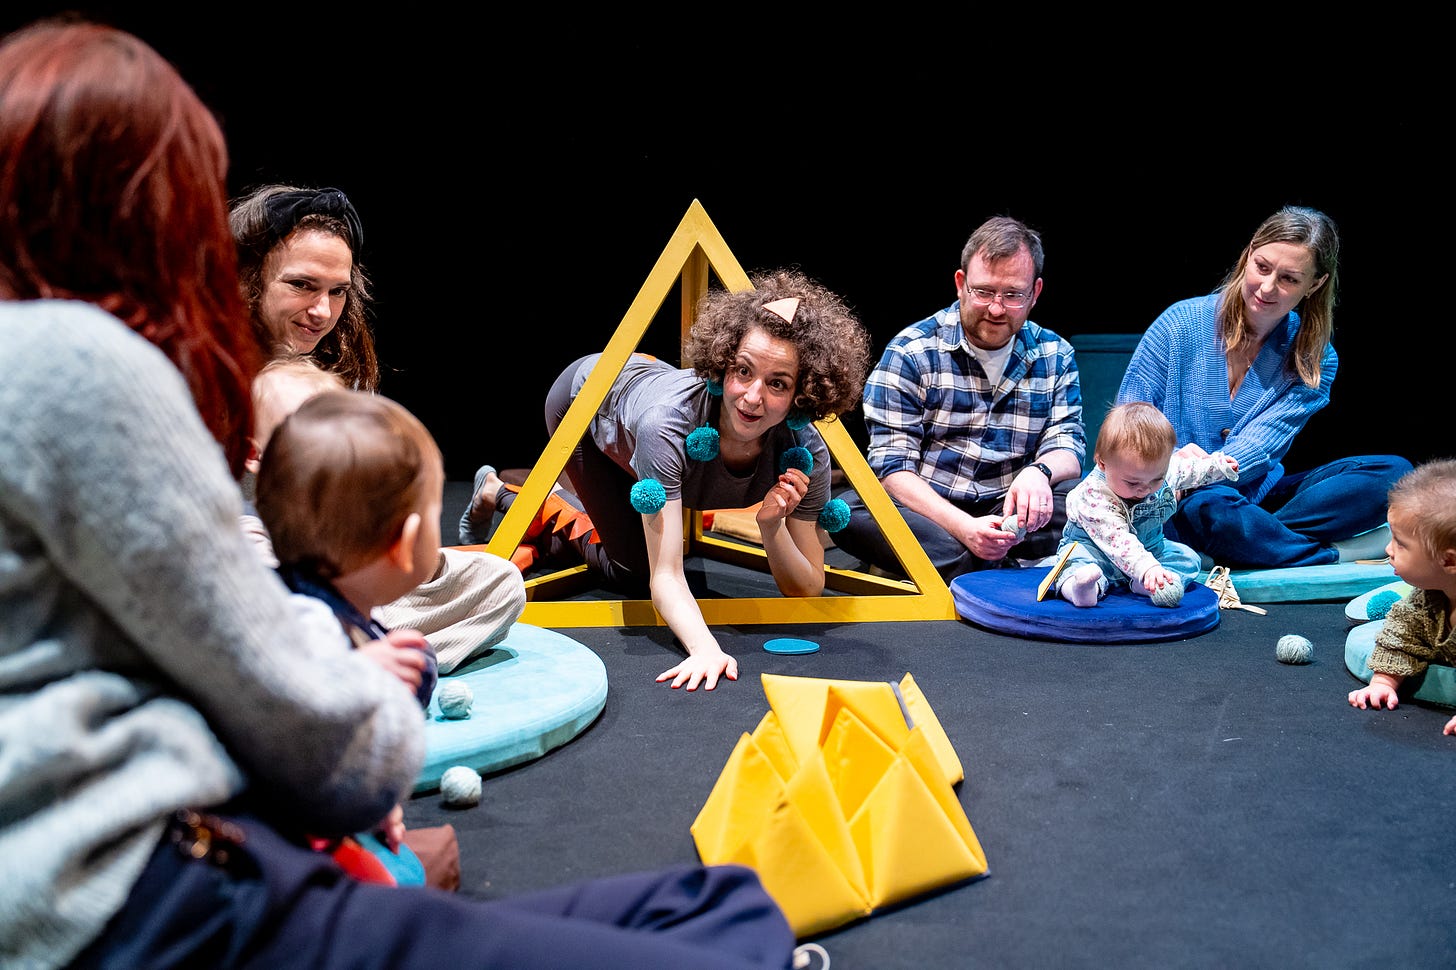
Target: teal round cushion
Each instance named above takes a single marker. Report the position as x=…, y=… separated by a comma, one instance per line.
x=1436, y=686
x=534, y=691
x=1358, y=609
x=1309, y=584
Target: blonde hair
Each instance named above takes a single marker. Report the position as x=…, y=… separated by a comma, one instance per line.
x=271, y=400
x=1427, y=493
x=1136, y=428
x=340, y=477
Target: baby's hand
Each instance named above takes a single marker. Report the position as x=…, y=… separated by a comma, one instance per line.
x=1374, y=695
x=1157, y=576
x=401, y=652
x=1450, y=726
x=391, y=830
x=1227, y=466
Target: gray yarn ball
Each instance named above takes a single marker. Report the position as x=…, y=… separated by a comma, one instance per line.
x=1169, y=595
x=1293, y=649
x=1012, y=523
x=455, y=698
x=460, y=786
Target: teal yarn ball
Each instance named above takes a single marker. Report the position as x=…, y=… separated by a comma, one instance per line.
x=1293, y=649
x=835, y=515
x=1381, y=603
x=797, y=457
x=1168, y=596
x=455, y=698
x=715, y=388
x=703, y=444
x=460, y=786
x=799, y=420
x=648, y=496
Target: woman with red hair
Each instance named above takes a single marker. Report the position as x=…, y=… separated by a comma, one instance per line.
x=168, y=725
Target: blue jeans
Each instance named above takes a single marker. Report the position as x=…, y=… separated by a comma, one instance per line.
x=1297, y=522
x=863, y=539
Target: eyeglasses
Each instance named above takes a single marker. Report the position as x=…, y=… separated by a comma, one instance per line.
x=1011, y=299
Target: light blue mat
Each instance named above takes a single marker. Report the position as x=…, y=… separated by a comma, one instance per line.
x=533, y=692
x=1309, y=584
x=1358, y=609
x=1436, y=686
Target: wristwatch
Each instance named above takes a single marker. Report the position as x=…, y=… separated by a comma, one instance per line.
x=1041, y=467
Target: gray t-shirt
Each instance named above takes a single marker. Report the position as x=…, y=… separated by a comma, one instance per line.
x=644, y=422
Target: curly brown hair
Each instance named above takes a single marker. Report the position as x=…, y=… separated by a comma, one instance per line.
x=833, y=346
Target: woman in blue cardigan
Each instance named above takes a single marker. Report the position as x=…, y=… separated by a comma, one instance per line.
x=1241, y=370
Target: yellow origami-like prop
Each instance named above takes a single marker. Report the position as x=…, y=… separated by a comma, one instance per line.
x=842, y=799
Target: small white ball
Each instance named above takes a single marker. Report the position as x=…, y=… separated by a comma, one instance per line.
x=460, y=786
x=455, y=698
x=1293, y=649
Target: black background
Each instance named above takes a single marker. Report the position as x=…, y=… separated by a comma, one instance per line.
x=518, y=178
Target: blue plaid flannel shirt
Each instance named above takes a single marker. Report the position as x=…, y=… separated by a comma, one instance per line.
x=930, y=409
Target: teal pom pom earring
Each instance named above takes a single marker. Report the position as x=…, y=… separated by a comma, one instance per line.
x=797, y=457
x=799, y=419
x=702, y=444
x=835, y=515
x=715, y=388
x=648, y=496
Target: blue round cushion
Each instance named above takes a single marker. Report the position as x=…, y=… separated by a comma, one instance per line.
x=534, y=691
x=1436, y=686
x=1004, y=600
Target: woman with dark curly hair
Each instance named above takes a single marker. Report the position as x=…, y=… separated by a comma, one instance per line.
x=298, y=259
x=732, y=431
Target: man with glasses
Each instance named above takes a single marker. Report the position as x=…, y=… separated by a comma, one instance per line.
x=975, y=416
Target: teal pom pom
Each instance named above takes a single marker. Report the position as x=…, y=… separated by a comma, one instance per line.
x=1381, y=603
x=835, y=515
x=797, y=457
x=703, y=444
x=460, y=786
x=799, y=420
x=1293, y=649
x=715, y=388
x=648, y=496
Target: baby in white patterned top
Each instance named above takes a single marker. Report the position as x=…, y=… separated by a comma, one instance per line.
x=1116, y=514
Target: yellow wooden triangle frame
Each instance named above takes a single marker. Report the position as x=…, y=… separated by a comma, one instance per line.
x=694, y=249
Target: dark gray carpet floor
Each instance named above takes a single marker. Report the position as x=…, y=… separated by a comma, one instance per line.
x=1182, y=804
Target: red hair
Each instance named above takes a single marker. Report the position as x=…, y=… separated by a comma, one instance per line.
x=113, y=191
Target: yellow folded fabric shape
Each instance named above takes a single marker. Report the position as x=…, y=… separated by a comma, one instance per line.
x=843, y=800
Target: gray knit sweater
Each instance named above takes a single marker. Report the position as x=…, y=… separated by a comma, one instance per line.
x=148, y=659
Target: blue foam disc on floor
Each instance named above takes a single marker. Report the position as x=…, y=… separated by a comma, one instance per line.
x=1004, y=600
x=790, y=645
x=1358, y=609
x=1437, y=685
x=1310, y=584
x=534, y=691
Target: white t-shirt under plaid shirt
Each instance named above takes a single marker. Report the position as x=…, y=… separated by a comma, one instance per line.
x=930, y=408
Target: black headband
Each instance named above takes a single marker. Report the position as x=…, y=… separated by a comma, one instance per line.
x=283, y=211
